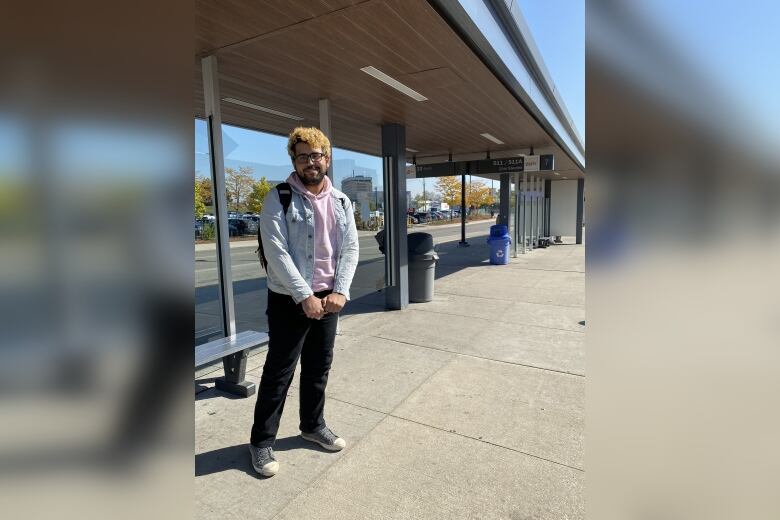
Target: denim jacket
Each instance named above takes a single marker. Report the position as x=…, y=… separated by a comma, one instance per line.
x=288, y=243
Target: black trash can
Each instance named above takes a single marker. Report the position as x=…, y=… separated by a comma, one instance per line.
x=422, y=266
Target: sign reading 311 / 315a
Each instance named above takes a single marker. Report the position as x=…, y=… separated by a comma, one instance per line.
x=484, y=167
x=511, y=165
x=529, y=163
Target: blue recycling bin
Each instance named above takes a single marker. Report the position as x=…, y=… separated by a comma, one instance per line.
x=499, y=231
x=499, y=242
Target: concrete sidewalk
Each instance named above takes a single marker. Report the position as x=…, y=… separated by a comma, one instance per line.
x=469, y=406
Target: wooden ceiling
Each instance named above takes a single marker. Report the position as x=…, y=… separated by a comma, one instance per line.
x=286, y=55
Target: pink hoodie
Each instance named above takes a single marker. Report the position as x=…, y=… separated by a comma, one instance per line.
x=325, y=234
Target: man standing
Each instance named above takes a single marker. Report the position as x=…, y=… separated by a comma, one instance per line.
x=312, y=252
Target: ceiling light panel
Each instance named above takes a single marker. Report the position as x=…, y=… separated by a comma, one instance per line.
x=492, y=138
x=392, y=82
x=262, y=109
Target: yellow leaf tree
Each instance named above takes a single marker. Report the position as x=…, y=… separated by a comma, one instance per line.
x=449, y=188
x=478, y=195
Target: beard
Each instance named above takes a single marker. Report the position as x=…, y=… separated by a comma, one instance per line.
x=311, y=179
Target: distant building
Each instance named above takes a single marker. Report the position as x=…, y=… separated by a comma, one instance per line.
x=359, y=184
x=344, y=168
x=379, y=196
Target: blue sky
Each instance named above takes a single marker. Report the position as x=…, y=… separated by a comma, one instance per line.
x=558, y=28
x=735, y=45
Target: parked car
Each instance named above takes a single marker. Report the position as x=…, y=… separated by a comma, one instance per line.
x=252, y=221
x=242, y=228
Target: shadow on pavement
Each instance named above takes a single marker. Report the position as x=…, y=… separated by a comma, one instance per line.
x=297, y=442
x=203, y=392
x=224, y=459
x=237, y=457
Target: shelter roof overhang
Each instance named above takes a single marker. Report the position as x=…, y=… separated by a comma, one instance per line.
x=287, y=55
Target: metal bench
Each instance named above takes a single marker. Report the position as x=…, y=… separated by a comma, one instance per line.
x=233, y=351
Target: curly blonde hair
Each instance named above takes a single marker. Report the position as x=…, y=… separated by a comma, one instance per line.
x=312, y=136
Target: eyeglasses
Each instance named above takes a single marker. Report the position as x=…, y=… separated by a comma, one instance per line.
x=314, y=156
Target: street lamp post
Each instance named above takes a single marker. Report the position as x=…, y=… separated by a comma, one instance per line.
x=424, y=197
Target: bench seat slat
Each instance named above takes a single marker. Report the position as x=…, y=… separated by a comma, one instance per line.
x=222, y=347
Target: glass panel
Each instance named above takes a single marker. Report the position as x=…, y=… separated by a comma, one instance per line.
x=436, y=201
x=255, y=162
x=360, y=177
x=208, y=314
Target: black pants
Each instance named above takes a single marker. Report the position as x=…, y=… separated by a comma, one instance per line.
x=291, y=336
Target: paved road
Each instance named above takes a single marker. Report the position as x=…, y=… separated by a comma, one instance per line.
x=250, y=290
x=246, y=265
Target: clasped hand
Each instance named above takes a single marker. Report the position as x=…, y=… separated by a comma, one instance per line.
x=315, y=308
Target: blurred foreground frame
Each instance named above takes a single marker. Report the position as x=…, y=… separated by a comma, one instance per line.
x=682, y=210
x=96, y=277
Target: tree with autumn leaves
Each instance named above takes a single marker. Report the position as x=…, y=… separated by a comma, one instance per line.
x=238, y=185
x=477, y=193
x=243, y=192
x=449, y=188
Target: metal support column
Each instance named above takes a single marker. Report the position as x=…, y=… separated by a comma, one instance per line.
x=524, y=195
x=580, y=207
x=234, y=380
x=396, y=259
x=463, y=242
x=516, y=220
x=324, y=105
x=532, y=212
x=214, y=123
x=540, y=201
x=535, y=216
x=536, y=212
x=547, y=206
x=503, y=199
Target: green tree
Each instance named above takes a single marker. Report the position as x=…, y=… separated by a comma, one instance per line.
x=205, y=190
x=238, y=185
x=256, y=198
x=200, y=208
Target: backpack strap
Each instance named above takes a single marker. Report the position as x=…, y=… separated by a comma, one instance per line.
x=285, y=195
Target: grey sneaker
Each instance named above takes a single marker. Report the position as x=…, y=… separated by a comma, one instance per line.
x=263, y=461
x=326, y=438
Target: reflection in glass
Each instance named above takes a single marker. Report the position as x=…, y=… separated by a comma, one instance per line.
x=208, y=314
x=359, y=176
